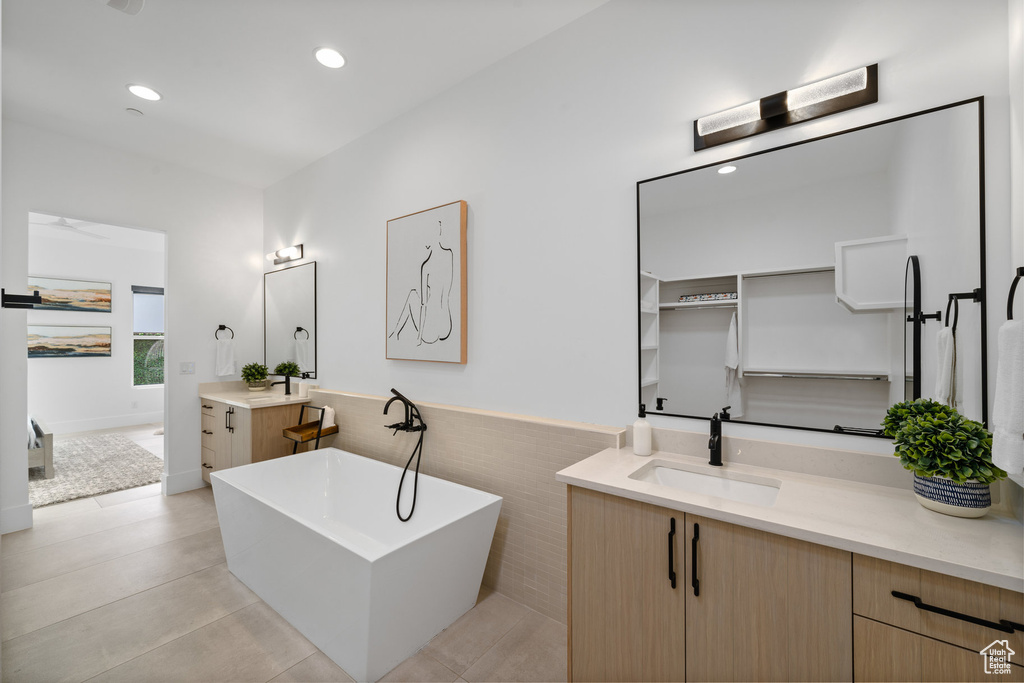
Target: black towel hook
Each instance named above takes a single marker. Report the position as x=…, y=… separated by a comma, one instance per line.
x=300, y=329
x=223, y=327
x=1013, y=289
x=955, y=303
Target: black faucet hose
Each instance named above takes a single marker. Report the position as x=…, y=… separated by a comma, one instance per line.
x=416, y=453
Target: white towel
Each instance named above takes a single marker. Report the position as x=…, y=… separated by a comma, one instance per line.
x=302, y=354
x=733, y=393
x=225, y=357
x=948, y=372
x=1008, y=407
x=328, y=417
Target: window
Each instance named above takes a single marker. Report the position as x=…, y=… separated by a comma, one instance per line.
x=148, y=334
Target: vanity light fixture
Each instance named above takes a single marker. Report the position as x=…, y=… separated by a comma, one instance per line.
x=293, y=253
x=821, y=98
x=329, y=57
x=145, y=92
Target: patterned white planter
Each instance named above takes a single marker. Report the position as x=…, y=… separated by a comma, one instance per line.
x=258, y=386
x=969, y=499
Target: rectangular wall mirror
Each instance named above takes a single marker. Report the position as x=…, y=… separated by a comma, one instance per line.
x=793, y=267
x=289, y=317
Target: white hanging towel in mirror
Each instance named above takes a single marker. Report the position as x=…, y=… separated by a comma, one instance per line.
x=225, y=357
x=948, y=373
x=733, y=392
x=1008, y=406
x=302, y=354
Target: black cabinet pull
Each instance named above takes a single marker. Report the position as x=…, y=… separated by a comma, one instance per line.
x=209, y=467
x=1003, y=625
x=227, y=415
x=206, y=432
x=694, y=581
x=672, y=552
x=208, y=407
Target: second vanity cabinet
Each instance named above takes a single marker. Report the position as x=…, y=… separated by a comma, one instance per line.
x=746, y=605
x=233, y=436
x=751, y=605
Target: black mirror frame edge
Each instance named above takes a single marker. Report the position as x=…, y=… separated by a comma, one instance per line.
x=311, y=375
x=980, y=101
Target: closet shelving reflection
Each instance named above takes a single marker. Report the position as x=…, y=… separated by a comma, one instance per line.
x=791, y=328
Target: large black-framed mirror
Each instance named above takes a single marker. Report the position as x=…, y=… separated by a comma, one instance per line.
x=791, y=270
x=289, y=317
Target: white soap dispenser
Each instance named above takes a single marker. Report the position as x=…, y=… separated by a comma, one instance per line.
x=642, y=434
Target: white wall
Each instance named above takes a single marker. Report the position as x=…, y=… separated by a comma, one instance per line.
x=546, y=147
x=214, y=257
x=80, y=394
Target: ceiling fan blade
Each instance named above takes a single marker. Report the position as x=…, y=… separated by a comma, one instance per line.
x=90, y=234
x=129, y=7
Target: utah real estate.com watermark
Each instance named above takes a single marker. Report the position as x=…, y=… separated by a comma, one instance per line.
x=997, y=657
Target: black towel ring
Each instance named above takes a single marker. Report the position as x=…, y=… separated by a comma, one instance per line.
x=955, y=303
x=1013, y=288
x=223, y=327
x=300, y=329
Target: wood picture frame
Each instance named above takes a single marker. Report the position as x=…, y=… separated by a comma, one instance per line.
x=68, y=341
x=426, y=285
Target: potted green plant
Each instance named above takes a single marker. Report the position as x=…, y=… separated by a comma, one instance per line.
x=287, y=369
x=255, y=375
x=950, y=456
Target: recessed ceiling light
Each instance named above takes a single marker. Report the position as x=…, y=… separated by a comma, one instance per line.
x=726, y=169
x=329, y=57
x=144, y=92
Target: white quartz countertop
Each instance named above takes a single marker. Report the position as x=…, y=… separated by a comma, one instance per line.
x=878, y=521
x=243, y=398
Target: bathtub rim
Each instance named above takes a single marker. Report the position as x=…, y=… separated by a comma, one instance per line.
x=368, y=555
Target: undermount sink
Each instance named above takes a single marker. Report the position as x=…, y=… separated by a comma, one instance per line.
x=742, y=488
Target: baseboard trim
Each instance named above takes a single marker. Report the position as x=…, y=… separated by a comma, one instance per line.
x=112, y=422
x=181, y=482
x=16, y=518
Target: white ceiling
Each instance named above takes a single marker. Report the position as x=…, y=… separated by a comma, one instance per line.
x=243, y=97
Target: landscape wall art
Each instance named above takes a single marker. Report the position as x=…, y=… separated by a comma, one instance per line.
x=70, y=295
x=68, y=341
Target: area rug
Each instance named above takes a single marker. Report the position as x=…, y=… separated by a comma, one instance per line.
x=92, y=465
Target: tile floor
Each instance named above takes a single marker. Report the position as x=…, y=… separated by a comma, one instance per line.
x=133, y=586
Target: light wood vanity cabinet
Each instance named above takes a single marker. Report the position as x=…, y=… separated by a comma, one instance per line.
x=766, y=607
x=233, y=436
x=626, y=619
x=896, y=640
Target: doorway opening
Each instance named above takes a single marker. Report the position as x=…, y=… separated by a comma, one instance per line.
x=96, y=396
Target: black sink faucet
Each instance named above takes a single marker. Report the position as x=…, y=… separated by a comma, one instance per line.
x=715, y=442
x=287, y=382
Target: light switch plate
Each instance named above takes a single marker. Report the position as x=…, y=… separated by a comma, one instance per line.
x=187, y=368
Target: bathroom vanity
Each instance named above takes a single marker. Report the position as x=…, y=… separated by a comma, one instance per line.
x=241, y=427
x=779, y=575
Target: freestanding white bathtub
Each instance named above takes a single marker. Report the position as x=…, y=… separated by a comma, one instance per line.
x=316, y=536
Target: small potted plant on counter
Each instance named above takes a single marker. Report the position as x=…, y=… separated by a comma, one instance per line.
x=950, y=456
x=255, y=375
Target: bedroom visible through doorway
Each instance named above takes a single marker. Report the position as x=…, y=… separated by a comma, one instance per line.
x=96, y=358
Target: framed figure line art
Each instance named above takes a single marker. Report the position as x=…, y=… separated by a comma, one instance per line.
x=426, y=285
